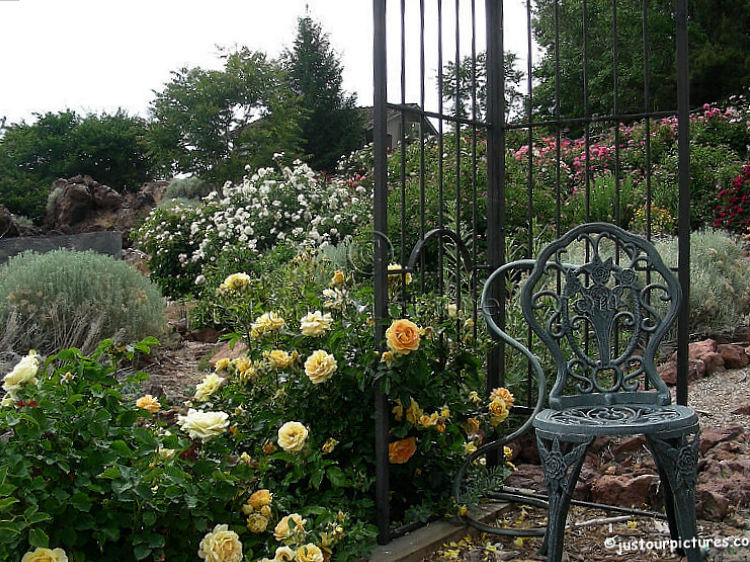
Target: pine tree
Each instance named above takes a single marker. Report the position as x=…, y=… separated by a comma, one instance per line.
x=333, y=126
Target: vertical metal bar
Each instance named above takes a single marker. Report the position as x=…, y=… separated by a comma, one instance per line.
x=683, y=229
x=422, y=132
x=558, y=195
x=616, y=110
x=529, y=181
x=402, y=150
x=474, y=216
x=380, y=264
x=495, y=171
x=440, y=141
x=646, y=109
x=587, y=116
x=457, y=271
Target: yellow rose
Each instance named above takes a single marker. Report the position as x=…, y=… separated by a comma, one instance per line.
x=221, y=545
x=257, y=523
x=148, y=403
x=470, y=447
x=498, y=409
x=503, y=394
x=399, y=452
x=387, y=358
x=268, y=448
x=260, y=498
x=241, y=364
x=203, y=425
x=278, y=359
x=235, y=282
x=402, y=336
x=398, y=410
x=472, y=426
x=320, y=366
x=309, y=553
x=284, y=554
x=210, y=384
x=292, y=436
x=291, y=528
x=338, y=278
x=315, y=323
x=474, y=397
x=45, y=555
x=329, y=445
x=452, y=310
x=395, y=275
x=246, y=459
x=222, y=364
x=268, y=322
x=413, y=412
x=24, y=372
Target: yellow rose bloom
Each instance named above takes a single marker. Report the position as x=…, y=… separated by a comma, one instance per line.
x=472, y=426
x=241, y=364
x=292, y=436
x=148, y=403
x=402, y=336
x=309, y=553
x=498, y=409
x=338, y=278
x=260, y=498
x=315, y=323
x=398, y=410
x=205, y=389
x=329, y=445
x=203, y=425
x=399, y=452
x=268, y=448
x=268, y=322
x=284, y=554
x=474, y=397
x=257, y=523
x=413, y=412
x=503, y=394
x=320, y=366
x=387, y=358
x=470, y=447
x=45, y=555
x=23, y=373
x=222, y=364
x=290, y=528
x=278, y=359
x=235, y=282
x=220, y=545
x=395, y=275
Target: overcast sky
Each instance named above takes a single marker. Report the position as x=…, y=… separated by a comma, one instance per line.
x=101, y=55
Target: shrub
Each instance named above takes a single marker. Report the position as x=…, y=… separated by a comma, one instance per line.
x=733, y=210
x=719, y=280
x=188, y=188
x=65, y=299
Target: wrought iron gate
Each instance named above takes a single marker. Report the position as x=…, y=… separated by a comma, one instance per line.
x=472, y=205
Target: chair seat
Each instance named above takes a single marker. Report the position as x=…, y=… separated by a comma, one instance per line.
x=617, y=419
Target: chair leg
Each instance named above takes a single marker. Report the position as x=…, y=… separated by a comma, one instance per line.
x=677, y=461
x=557, y=459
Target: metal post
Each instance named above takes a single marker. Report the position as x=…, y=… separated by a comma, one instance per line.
x=683, y=227
x=495, y=169
x=380, y=210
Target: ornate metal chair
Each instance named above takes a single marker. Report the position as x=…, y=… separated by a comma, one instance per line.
x=602, y=321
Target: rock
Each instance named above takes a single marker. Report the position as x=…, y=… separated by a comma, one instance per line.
x=527, y=450
x=628, y=445
x=105, y=197
x=668, y=371
x=8, y=224
x=226, y=352
x=205, y=335
x=625, y=490
x=710, y=437
x=713, y=361
x=710, y=505
x=527, y=477
x=697, y=349
x=734, y=356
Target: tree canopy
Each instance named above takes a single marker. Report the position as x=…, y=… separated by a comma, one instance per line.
x=212, y=123
x=333, y=126
x=109, y=148
x=719, y=55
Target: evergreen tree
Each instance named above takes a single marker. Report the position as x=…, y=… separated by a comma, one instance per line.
x=333, y=126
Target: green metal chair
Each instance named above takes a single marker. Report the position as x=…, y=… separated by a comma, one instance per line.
x=602, y=319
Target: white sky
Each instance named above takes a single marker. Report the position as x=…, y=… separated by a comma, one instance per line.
x=101, y=55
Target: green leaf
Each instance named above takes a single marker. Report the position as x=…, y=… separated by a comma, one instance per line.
x=111, y=473
x=81, y=501
x=337, y=477
x=141, y=551
x=149, y=518
x=5, y=503
x=121, y=447
x=38, y=538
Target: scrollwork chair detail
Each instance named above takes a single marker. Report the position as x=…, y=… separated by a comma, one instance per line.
x=600, y=321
